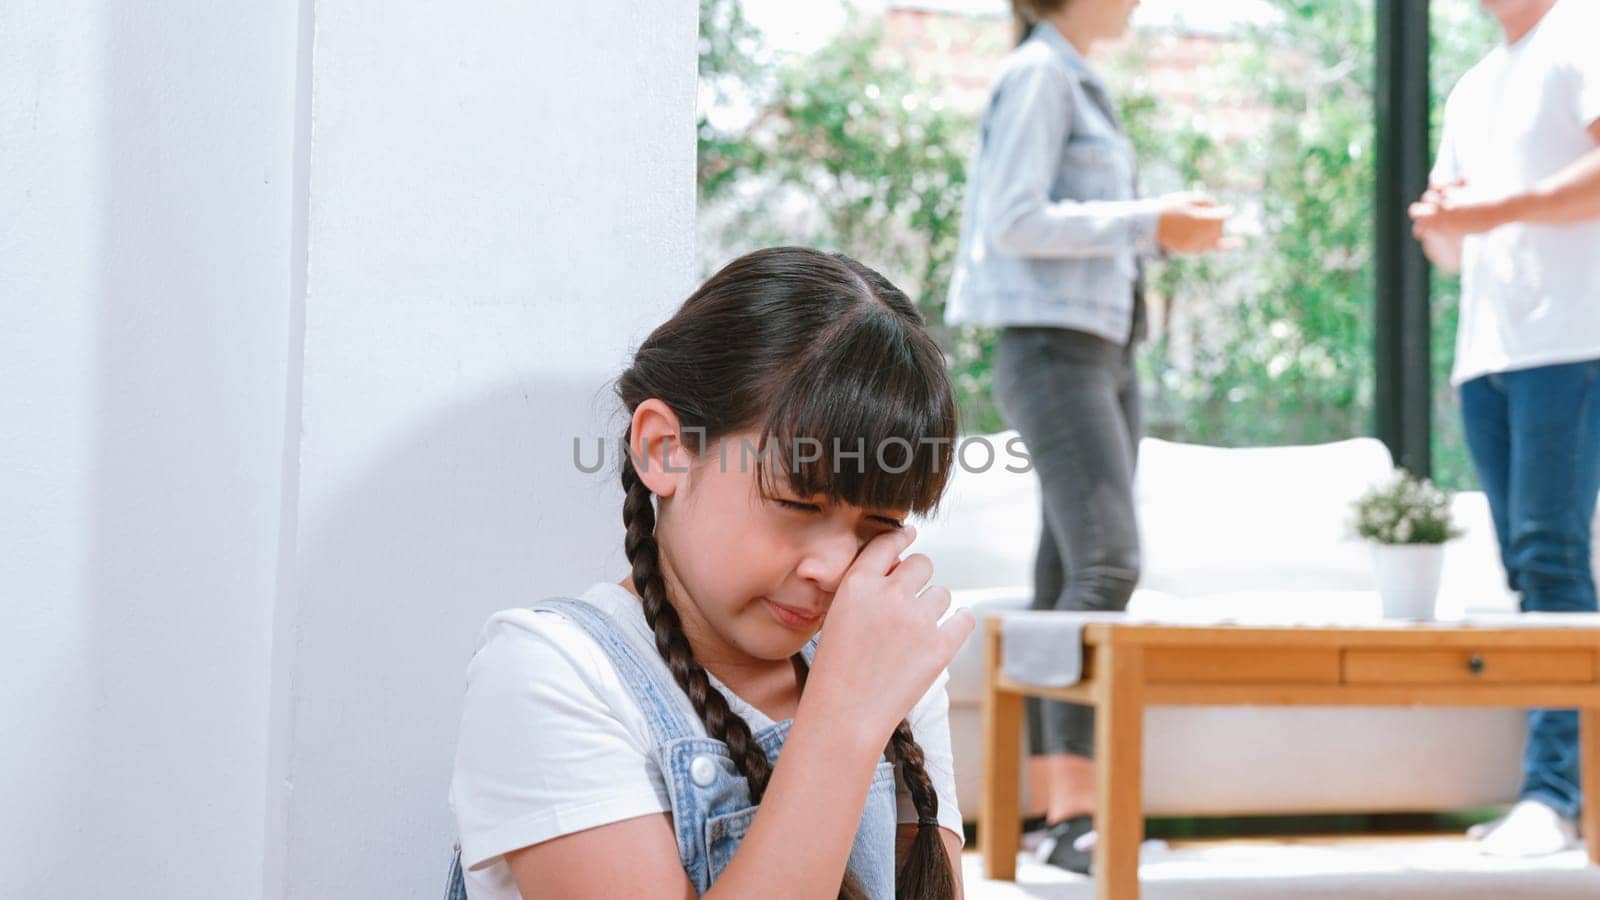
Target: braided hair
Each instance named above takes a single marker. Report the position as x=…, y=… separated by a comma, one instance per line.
x=805, y=345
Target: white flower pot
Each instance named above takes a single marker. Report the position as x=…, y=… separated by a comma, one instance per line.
x=1408, y=578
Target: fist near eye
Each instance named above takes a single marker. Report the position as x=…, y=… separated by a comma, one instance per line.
x=882, y=644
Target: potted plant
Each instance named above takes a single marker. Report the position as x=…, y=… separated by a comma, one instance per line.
x=1406, y=521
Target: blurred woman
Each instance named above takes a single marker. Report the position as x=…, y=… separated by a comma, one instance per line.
x=1052, y=248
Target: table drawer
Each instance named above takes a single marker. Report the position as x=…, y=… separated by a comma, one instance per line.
x=1241, y=665
x=1468, y=666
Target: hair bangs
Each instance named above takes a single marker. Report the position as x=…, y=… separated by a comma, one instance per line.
x=862, y=423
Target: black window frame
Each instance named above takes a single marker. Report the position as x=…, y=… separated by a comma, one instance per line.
x=1402, y=404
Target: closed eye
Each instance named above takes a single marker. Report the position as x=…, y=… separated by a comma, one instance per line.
x=812, y=507
x=808, y=507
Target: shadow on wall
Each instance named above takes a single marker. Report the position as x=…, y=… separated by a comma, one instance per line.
x=186, y=315
x=477, y=509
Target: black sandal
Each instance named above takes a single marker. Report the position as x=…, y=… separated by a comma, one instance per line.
x=1057, y=847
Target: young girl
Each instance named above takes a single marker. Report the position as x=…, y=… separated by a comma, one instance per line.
x=627, y=743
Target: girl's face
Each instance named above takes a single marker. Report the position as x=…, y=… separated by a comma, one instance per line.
x=752, y=578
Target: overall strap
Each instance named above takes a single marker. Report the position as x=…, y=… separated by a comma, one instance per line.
x=810, y=649
x=641, y=670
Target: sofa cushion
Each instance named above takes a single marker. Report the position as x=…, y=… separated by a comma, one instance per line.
x=1215, y=520
x=1473, y=579
x=987, y=527
x=1211, y=519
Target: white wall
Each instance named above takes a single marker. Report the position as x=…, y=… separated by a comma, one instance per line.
x=502, y=203
x=146, y=154
x=301, y=304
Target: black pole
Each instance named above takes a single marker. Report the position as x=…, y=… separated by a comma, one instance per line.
x=1404, y=391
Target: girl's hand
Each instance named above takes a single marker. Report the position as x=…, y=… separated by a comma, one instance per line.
x=882, y=645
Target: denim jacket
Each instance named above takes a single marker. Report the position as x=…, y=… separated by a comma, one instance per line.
x=1053, y=231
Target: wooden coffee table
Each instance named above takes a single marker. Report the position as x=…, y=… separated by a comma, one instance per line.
x=1128, y=667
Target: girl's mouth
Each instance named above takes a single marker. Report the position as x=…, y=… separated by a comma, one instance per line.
x=790, y=617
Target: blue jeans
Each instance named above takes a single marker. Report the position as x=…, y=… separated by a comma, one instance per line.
x=1534, y=436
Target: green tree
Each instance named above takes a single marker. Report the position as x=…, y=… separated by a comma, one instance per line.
x=730, y=69
x=847, y=149
x=1276, y=339
x=859, y=156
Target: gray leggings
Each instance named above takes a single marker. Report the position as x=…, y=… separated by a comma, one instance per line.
x=1074, y=399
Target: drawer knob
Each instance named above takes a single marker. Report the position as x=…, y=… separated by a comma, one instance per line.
x=1475, y=664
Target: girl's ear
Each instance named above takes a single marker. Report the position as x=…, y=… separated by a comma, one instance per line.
x=656, y=449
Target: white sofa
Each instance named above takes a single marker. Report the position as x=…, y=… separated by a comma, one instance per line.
x=1240, y=531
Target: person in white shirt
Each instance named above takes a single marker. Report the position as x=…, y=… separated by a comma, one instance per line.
x=1514, y=206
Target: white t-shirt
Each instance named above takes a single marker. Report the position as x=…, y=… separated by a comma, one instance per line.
x=1530, y=294
x=552, y=742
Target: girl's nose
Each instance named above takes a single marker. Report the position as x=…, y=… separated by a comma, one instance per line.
x=828, y=557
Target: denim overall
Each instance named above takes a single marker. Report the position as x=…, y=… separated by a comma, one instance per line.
x=710, y=800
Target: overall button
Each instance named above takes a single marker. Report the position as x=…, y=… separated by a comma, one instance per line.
x=703, y=771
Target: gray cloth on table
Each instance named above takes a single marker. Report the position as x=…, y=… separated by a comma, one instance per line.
x=1045, y=647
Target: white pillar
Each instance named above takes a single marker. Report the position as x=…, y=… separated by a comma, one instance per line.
x=146, y=160
x=301, y=304
x=501, y=205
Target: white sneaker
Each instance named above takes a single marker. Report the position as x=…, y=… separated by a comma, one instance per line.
x=1531, y=828
x=1479, y=831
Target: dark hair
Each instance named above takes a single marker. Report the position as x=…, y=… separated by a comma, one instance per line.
x=1027, y=13
x=804, y=345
